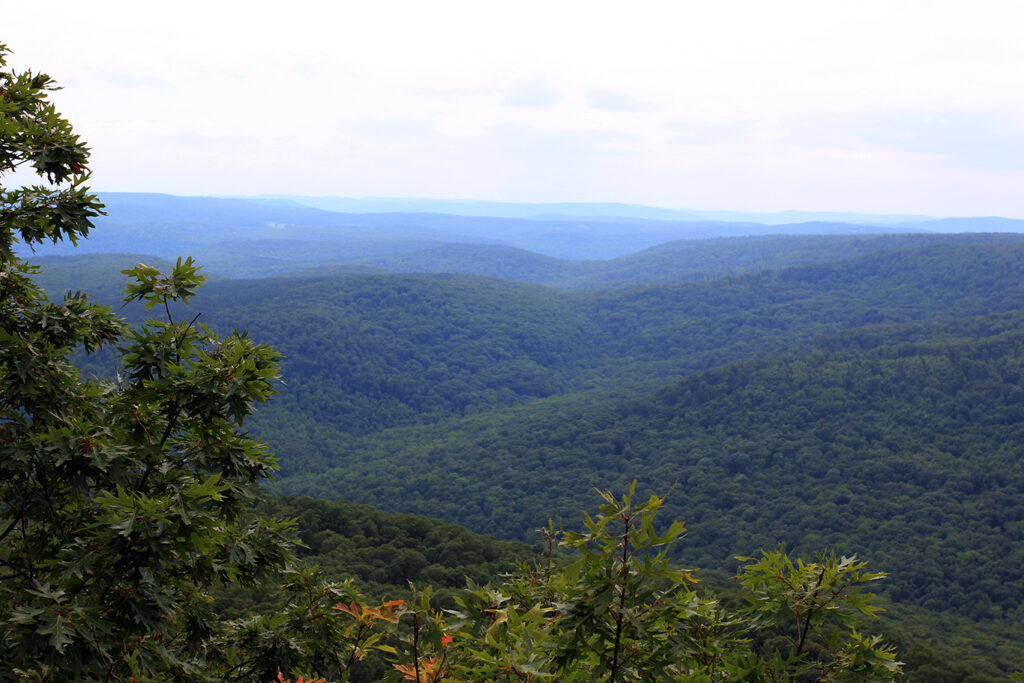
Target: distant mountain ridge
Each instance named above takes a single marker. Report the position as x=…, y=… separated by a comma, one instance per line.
x=260, y=237
x=670, y=262
x=591, y=210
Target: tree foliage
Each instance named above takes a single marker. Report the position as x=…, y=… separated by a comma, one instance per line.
x=606, y=605
x=121, y=502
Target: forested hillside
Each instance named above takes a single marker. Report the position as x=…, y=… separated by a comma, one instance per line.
x=907, y=454
x=872, y=405
x=670, y=262
x=365, y=353
x=382, y=552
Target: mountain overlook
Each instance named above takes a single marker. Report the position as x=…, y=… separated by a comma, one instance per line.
x=859, y=392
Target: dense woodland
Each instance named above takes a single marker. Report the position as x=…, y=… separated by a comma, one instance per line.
x=871, y=405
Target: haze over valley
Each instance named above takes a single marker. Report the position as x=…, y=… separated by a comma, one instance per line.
x=362, y=343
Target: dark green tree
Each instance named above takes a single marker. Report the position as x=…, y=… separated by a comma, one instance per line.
x=122, y=502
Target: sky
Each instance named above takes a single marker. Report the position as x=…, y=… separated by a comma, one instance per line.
x=901, y=106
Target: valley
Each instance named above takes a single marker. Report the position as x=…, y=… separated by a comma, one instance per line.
x=856, y=392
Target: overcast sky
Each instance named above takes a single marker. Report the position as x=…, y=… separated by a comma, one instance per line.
x=899, y=106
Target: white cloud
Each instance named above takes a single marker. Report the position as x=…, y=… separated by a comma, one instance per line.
x=616, y=101
x=532, y=92
x=911, y=106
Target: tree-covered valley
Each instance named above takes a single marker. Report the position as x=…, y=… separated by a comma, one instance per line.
x=869, y=404
x=282, y=437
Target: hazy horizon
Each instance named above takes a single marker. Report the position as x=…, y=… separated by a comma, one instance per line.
x=876, y=107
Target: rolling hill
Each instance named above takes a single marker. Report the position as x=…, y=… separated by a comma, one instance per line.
x=871, y=405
